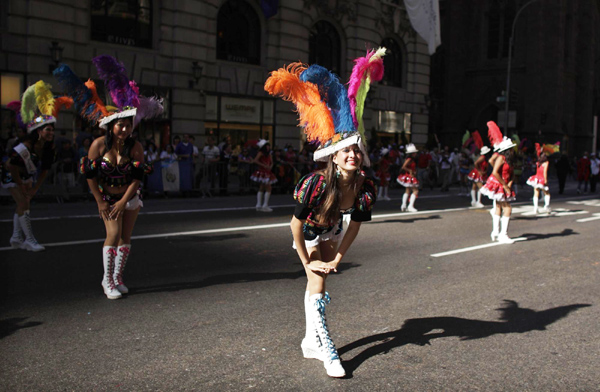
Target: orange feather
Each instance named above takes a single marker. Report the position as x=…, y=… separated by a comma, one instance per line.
x=61, y=102
x=99, y=108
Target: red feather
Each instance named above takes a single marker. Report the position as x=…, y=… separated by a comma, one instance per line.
x=494, y=133
x=477, y=139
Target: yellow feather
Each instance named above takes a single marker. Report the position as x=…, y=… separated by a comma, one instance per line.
x=44, y=98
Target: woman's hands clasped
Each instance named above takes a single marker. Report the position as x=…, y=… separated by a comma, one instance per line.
x=117, y=209
x=320, y=266
x=104, y=210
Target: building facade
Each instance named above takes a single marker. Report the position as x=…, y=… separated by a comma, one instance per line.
x=209, y=59
x=554, y=75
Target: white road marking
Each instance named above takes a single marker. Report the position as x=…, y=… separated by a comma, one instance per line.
x=470, y=248
x=594, y=217
x=591, y=203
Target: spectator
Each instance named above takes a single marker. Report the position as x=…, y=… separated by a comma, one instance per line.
x=150, y=155
x=244, y=161
x=454, y=158
x=84, y=148
x=67, y=163
x=168, y=155
x=464, y=168
x=176, y=141
x=423, y=167
x=583, y=173
x=445, y=169
x=81, y=136
x=563, y=168
x=211, y=155
x=185, y=153
x=224, y=160
x=594, y=170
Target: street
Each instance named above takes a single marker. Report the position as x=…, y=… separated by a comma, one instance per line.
x=422, y=302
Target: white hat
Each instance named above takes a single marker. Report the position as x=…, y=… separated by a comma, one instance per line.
x=384, y=151
x=505, y=144
x=125, y=113
x=347, y=139
x=410, y=148
x=261, y=143
x=484, y=150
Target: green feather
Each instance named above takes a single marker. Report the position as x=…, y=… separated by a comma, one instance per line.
x=28, y=104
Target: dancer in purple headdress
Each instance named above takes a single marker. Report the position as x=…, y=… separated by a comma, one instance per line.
x=114, y=167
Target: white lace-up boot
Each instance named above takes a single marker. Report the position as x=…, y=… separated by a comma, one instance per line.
x=473, y=197
x=120, y=261
x=411, y=203
x=30, y=242
x=109, y=253
x=311, y=344
x=503, y=237
x=535, y=204
x=331, y=360
x=17, y=239
x=495, y=227
x=385, y=193
x=479, y=204
x=547, y=203
x=404, y=201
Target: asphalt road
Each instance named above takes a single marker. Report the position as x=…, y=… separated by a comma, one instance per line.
x=216, y=301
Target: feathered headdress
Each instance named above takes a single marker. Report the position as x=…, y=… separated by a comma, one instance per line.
x=15, y=106
x=366, y=69
x=538, y=149
x=550, y=149
x=477, y=139
x=39, y=107
x=329, y=114
x=499, y=142
x=466, y=138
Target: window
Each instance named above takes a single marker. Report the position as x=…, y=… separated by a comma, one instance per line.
x=238, y=33
x=11, y=87
x=500, y=18
x=393, y=63
x=123, y=22
x=324, y=47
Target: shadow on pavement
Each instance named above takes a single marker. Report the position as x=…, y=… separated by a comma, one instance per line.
x=242, y=277
x=11, y=325
x=410, y=220
x=422, y=330
x=533, y=236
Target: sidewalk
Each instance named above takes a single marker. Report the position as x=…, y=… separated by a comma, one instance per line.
x=51, y=208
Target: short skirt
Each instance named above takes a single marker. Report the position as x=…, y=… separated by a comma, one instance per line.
x=407, y=181
x=537, y=182
x=263, y=177
x=495, y=191
x=476, y=177
x=334, y=235
x=384, y=177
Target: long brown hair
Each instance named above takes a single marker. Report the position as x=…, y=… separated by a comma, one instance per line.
x=330, y=209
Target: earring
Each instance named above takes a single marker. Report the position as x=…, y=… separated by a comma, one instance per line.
x=337, y=171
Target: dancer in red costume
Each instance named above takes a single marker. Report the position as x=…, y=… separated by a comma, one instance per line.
x=498, y=185
x=263, y=176
x=478, y=175
x=539, y=181
x=383, y=174
x=409, y=180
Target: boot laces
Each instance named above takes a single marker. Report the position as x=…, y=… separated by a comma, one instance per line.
x=112, y=254
x=121, y=265
x=324, y=335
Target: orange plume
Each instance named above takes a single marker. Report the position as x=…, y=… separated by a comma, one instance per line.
x=99, y=109
x=61, y=102
x=313, y=112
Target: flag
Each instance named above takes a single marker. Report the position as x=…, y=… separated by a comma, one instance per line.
x=424, y=17
x=170, y=177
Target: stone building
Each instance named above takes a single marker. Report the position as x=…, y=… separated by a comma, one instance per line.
x=555, y=70
x=209, y=59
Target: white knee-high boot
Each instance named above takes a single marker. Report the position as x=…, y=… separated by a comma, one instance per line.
x=411, y=203
x=473, y=197
x=478, y=204
x=404, y=201
x=535, y=204
x=30, y=242
x=380, y=193
x=495, y=227
x=493, y=210
x=265, y=206
x=311, y=344
x=547, y=203
x=259, y=199
x=331, y=359
x=16, y=241
x=109, y=253
x=503, y=237
x=385, y=193
x=120, y=261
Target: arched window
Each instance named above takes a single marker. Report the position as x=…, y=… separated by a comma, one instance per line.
x=393, y=63
x=238, y=33
x=324, y=47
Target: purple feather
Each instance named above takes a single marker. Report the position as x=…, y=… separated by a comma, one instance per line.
x=15, y=106
x=149, y=107
x=116, y=82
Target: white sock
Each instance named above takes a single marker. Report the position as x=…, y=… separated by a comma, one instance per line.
x=472, y=196
x=413, y=197
x=479, y=195
x=495, y=224
x=504, y=225
x=546, y=201
x=267, y=195
x=535, y=203
x=404, y=199
x=259, y=198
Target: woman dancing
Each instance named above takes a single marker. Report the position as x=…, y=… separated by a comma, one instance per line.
x=383, y=174
x=539, y=181
x=263, y=176
x=322, y=198
x=114, y=167
x=34, y=154
x=479, y=176
x=498, y=185
x=409, y=180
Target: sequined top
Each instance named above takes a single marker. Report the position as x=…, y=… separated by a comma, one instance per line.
x=112, y=175
x=310, y=194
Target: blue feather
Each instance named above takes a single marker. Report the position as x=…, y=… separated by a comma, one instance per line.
x=334, y=94
x=72, y=86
